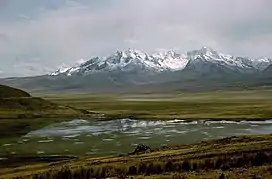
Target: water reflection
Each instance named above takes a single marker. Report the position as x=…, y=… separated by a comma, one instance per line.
x=96, y=137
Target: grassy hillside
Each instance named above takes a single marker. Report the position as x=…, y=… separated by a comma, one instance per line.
x=234, y=157
x=20, y=112
x=9, y=92
x=18, y=104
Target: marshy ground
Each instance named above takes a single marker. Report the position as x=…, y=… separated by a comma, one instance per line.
x=234, y=157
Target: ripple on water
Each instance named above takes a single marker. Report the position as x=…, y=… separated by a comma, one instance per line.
x=45, y=141
x=258, y=122
x=248, y=129
x=7, y=145
x=144, y=137
x=109, y=139
x=40, y=152
x=132, y=132
x=90, y=153
x=176, y=131
x=176, y=121
x=193, y=130
x=78, y=143
x=221, y=122
x=71, y=136
x=76, y=122
x=218, y=127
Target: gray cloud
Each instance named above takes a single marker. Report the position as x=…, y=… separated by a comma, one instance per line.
x=46, y=34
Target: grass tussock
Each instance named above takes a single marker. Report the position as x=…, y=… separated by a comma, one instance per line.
x=223, y=163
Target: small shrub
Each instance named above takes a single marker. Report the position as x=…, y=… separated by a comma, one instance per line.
x=141, y=148
x=169, y=166
x=222, y=176
x=186, y=165
x=141, y=168
x=132, y=170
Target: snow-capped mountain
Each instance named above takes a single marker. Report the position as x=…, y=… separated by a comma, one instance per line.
x=268, y=70
x=135, y=60
x=129, y=60
x=209, y=56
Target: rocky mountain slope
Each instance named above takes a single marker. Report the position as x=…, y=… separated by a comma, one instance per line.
x=268, y=70
x=135, y=61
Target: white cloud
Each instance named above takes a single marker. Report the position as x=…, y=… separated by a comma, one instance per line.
x=79, y=29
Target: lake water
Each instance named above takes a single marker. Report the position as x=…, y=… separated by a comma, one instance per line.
x=98, y=137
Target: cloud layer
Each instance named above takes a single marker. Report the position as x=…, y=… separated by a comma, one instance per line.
x=38, y=36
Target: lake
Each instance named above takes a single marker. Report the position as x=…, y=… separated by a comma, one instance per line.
x=102, y=137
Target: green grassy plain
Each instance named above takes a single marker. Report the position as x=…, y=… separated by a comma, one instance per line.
x=234, y=157
x=231, y=105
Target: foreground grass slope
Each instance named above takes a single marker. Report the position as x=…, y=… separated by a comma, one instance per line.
x=20, y=112
x=231, y=105
x=6, y=91
x=234, y=157
x=18, y=104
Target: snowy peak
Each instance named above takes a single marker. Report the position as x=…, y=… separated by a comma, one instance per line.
x=170, y=60
x=131, y=53
x=204, y=51
x=128, y=60
x=123, y=58
x=242, y=64
x=262, y=63
x=132, y=60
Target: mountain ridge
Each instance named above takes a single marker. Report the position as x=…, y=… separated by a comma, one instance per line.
x=135, y=60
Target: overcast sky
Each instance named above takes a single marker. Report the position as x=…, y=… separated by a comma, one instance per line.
x=38, y=36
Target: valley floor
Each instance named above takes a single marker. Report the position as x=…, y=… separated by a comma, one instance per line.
x=236, y=157
x=218, y=105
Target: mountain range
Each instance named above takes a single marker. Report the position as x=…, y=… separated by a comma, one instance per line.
x=134, y=70
x=134, y=60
